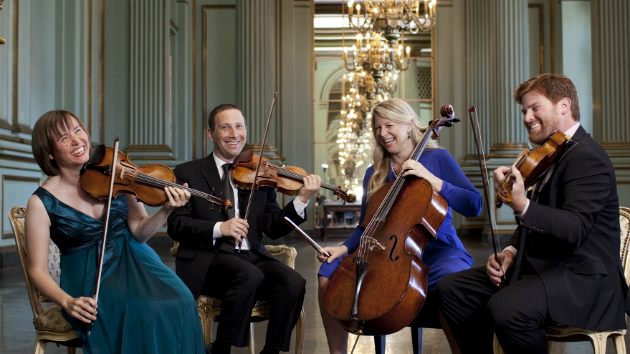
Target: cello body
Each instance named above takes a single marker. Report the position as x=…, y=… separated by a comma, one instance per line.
x=388, y=295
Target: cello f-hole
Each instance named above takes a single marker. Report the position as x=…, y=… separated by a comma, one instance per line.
x=391, y=253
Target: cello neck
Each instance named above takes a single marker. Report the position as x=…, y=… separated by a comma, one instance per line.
x=417, y=151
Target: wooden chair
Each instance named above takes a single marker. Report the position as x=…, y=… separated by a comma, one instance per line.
x=210, y=308
x=50, y=325
x=562, y=333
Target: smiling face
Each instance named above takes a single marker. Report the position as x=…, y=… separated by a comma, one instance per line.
x=72, y=145
x=394, y=137
x=228, y=135
x=542, y=117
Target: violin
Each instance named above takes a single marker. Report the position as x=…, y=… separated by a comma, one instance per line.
x=288, y=179
x=532, y=164
x=382, y=286
x=146, y=183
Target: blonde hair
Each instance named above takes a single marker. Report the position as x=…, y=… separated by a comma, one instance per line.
x=397, y=111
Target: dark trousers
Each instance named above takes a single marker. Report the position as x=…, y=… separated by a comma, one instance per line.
x=474, y=309
x=242, y=278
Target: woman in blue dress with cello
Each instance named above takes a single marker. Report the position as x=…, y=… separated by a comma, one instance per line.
x=143, y=307
x=397, y=130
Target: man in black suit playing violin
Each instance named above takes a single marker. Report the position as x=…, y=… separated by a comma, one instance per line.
x=222, y=255
x=563, y=263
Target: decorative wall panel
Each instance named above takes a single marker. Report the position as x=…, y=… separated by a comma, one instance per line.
x=150, y=82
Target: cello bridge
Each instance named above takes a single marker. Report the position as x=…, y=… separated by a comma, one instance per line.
x=372, y=243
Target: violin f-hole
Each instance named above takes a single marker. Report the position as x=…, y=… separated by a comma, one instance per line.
x=391, y=253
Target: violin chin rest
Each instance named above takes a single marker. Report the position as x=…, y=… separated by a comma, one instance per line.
x=97, y=154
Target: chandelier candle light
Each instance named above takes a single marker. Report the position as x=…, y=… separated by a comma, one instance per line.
x=367, y=15
x=379, y=59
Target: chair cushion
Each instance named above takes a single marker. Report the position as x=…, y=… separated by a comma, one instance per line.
x=53, y=262
x=51, y=320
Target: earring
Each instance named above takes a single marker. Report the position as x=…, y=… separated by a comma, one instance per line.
x=409, y=135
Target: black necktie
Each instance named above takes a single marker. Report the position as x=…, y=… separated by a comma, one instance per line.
x=227, y=242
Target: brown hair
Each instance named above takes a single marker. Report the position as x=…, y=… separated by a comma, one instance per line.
x=554, y=87
x=47, y=130
x=220, y=108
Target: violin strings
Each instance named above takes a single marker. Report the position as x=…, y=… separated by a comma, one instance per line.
x=299, y=177
x=158, y=182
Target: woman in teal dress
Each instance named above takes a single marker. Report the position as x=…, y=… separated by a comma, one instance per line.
x=143, y=307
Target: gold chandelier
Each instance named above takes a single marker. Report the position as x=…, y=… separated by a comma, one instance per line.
x=376, y=64
x=392, y=16
x=353, y=138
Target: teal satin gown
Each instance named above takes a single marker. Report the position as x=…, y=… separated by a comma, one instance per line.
x=143, y=306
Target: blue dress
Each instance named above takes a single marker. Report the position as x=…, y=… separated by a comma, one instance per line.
x=143, y=307
x=446, y=254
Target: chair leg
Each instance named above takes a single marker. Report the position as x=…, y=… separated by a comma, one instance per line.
x=72, y=350
x=599, y=345
x=496, y=346
x=549, y=346
x=206, y=327
x=379, y=344
x=40, y=346
x=620, y=343
x=299, y=333
x=416, y=339
x=252, y=347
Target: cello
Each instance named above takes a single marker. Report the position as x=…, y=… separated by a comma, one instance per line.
x=381, y=287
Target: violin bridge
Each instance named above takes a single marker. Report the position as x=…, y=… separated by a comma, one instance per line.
x=122, y=172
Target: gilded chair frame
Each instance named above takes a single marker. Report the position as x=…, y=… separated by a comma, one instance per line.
x=50, y=325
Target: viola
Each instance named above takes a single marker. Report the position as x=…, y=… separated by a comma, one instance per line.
x=287, y=180
x=145, y=182
x=532, y=164
x=382, y=286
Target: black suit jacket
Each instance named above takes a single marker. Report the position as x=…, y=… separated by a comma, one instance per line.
x=573, y=240
x=192, y=225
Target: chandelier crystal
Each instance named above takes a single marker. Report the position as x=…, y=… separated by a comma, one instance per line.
x=378, y=62
x=354, y=133
x=392, y=15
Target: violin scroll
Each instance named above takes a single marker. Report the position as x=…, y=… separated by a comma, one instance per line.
x=345, y=196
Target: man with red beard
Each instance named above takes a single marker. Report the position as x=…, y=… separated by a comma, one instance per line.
x=562, y=264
